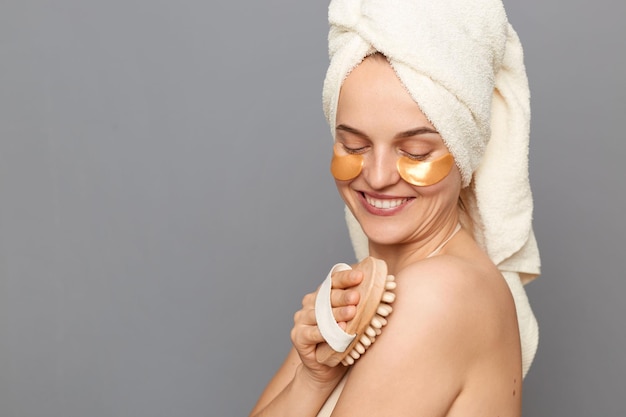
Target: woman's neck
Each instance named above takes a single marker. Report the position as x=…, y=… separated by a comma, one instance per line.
x=399, y=256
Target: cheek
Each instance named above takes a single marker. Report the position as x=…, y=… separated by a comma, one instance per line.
x=348, y=194
x=455, y=177
x=343, y=188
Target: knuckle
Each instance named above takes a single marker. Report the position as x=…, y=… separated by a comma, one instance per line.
x=308, y=299
x=300, y=316
x=336, y=298
x=295, y=337
x=294, y=334
x=311, y=333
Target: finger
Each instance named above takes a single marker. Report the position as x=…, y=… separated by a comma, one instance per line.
x=344, y=314
x=306, y=336
x=340, y=298
x=305, y=317
x=309, y=300
x=308, y=317
x=346, y=279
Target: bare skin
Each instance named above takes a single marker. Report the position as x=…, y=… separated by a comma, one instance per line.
x=451, y=347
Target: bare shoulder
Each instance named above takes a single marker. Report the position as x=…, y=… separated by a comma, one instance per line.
x=465, y=302
x=453, y=327
x=451, y=287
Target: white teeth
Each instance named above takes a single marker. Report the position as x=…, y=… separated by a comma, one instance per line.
x=385, y=204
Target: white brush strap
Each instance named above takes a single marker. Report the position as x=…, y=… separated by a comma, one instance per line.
x=330, y=330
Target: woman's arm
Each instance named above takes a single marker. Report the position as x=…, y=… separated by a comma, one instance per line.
x=451, y=348
x=293, y=393
x=302, y=385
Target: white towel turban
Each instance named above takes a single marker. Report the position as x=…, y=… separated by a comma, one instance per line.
x=462, y=63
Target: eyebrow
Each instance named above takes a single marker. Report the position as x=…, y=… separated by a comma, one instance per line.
x=352, y=130
x=406, y=134
x=416, y=132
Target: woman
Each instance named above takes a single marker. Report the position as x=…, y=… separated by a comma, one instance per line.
x=408, y=84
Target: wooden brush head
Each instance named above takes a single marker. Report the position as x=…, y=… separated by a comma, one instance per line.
x=371, y=290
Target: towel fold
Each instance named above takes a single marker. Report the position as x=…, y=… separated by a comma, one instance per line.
x=462, y=63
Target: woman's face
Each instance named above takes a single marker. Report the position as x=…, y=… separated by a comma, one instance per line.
x=378, y=119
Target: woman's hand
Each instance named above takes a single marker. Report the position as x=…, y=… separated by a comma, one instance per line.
x=305, y=334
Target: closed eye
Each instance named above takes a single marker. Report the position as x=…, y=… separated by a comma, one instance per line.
x=416, y=157
x=354, y=151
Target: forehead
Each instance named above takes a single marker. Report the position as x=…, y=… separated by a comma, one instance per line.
x=372, y=96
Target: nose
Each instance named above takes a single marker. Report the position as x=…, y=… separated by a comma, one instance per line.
x=380, y=170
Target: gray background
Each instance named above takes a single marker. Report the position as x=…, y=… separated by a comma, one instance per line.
x=165, y=202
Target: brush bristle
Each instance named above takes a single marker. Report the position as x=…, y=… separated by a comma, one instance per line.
x=376, y=324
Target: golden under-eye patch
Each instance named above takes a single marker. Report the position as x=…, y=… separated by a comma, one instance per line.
x=345, y=167
x=422, y=173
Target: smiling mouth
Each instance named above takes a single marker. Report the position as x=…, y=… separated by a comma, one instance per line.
x=387, y=203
